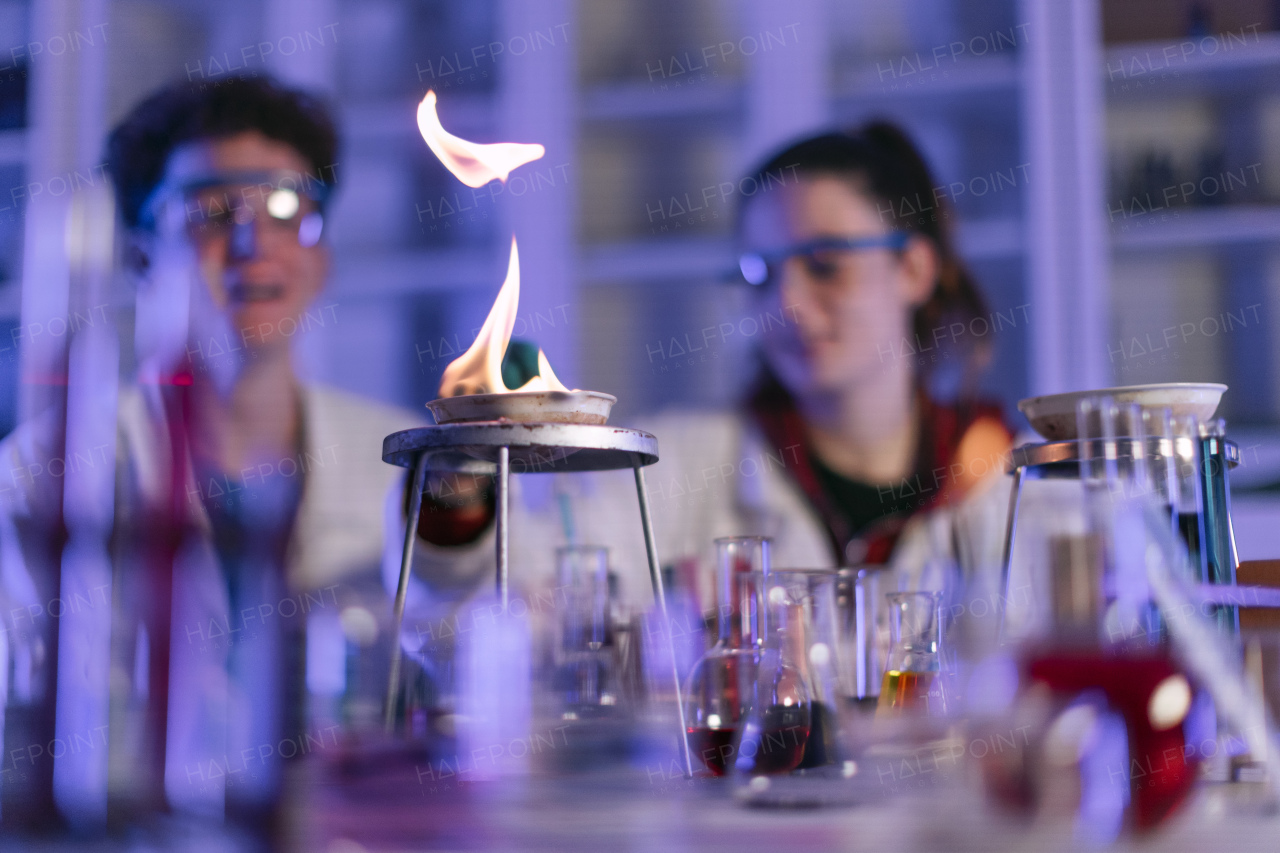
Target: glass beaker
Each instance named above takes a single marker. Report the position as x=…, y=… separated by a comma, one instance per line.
x=859, y=600
x=1219, y=544
x=584, y=656
x=912, y=681
x=1175, y=469
x=722, y=683
x=742, y=563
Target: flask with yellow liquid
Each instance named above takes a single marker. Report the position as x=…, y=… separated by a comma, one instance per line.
x=911, y=678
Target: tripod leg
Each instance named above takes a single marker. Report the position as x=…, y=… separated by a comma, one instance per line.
x=655, y=576
x=402, y=588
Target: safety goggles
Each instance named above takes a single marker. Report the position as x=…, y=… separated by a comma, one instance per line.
x=820, y=257
x=217, y=206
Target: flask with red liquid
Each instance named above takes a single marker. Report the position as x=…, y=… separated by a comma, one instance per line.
x=1107, y=643
x=721, y=685
x=776, y=731
x=820, y=651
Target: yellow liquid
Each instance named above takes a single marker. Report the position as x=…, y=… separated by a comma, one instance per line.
x=905, y=691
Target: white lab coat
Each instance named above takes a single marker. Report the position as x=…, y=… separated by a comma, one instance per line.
x=336, y=540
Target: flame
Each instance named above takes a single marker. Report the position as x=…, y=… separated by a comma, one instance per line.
x=479, y=369
x=546, y=379
x=546, y=375
x=470, y=162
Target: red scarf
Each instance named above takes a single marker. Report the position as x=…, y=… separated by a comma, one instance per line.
x=942, y=427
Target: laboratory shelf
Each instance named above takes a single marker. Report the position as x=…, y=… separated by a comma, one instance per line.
x=1197, y=228
x=1225, y=63
x=919, y=79
x=673, y=98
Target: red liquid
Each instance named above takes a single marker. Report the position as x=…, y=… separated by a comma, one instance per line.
x=820, y=748
x=712, y=747
x=782, y=740
x=1160, y=775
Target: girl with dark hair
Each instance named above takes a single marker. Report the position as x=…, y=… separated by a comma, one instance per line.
x=853, y=247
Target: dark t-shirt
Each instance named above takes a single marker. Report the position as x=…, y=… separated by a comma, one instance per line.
x=860, y=504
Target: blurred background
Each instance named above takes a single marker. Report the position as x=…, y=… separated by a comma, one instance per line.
x=1114, y=166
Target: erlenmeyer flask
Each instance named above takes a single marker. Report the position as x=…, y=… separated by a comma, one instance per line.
x=820, y=650
x=721, y=684
x=912, y=681
x=775, y=734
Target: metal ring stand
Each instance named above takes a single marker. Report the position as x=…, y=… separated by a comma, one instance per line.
x=500, y=448
x=1061, y=460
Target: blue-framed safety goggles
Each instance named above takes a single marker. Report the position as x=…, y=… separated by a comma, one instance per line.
x=757, y=268
x=213, y=205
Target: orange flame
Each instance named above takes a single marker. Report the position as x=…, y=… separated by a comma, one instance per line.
x=470, y=162
x=479, y=369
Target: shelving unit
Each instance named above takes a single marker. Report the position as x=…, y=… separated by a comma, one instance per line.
x=1191, y=101
x=14, y=171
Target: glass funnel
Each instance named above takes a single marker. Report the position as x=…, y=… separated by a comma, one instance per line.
x=721, y=684
x=912, y=678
